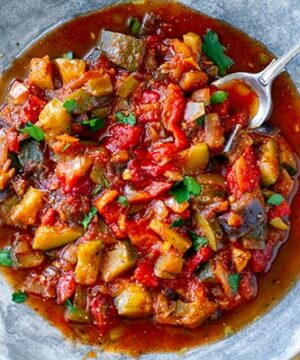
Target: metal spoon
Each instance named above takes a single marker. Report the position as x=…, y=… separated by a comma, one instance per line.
x=261, y=83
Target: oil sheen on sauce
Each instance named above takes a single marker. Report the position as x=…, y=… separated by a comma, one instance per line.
x=80, y=35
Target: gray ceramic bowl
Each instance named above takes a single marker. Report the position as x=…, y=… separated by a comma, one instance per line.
x=26, y=336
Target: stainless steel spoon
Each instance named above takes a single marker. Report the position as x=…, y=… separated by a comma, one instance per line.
x=261, y=83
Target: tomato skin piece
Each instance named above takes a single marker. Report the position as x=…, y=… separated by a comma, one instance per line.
x=144, y=274
x=241, y=117
x=201, y=256
x=240, y=181
x=104, y=313
x=65, y=288
x=279, y=210
x=48, y=218
x=12, y=140
x=260, y=258
x=32, y=108
x=122, y=137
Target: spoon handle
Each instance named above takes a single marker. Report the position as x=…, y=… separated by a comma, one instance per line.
x=277, y=66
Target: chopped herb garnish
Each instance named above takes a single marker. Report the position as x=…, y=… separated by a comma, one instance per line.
x=178, y=222
x=69, y=55
x=134, y=25
x=122, y=200
x=215, y=51
x=33, y=131
x=19, y=297
x=97, y=189
x=5, y=259
x=95, y=124
x=106, y=183
x=126, y=119
x=275, y=199
x=70, y=306
x=66, y=147
x=88, y=218
x=219, y=97
x=183, y=190
x=70, y=105
x=234, y=280
x=198, y=241
x=201, y=120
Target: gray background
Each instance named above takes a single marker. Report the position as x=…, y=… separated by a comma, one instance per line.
x=25, y=336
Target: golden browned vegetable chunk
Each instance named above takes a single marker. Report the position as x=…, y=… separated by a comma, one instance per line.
x=88, y=263
x=118, y=260
x=240, y=258
x=205, y=227
x=168, y=265
x=99, y=86
x=54, y=120
x=49, y=237
x=134, y=302
x=127, y=86
x=70, y=69
x=269, y=163
x=195, y=158
x=25, y=212
x=180, y=242
x=40, y=73
x=23, y=256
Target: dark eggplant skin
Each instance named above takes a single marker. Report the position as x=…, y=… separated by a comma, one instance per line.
x=253, y=215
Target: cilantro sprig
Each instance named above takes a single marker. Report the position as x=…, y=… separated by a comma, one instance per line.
x=234, y=281
x=126, y=119
x=5, y=259
x=70, y=105
x=95, y=124
x=275, y=199
x=134, y=25
x=197, y=241
x=88, y=218
x=186, y=188
x=122, y=200
x=33, y=131
x=19, y=297
x=177, y=223
x=215, y=51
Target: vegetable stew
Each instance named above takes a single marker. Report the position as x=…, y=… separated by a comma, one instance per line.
x=121, y=218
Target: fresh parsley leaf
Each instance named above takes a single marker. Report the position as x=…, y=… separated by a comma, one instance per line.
x=69, y=55
x=95, y=124
x=88, y=217
x=178, y=222
x=215, y=51
x=70, y=105
x=219, y=97
x=201, y=120
x=129, y=119
x=275, y=199
x=5, y=259
x=183, y=190
x=70, y=306
x=192, y=186
x=33, y=131
x=122, y=200
x=97, y=189
x=19, y=297
x=134, y=25
x=234, y=280
x=198, y=241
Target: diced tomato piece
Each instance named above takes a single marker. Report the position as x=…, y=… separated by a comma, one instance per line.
x=65, y=288
x=12, y=140
x=144, y=274
x=122, y=137
x=260, y=258
x=240, y=117
x=148, y=106
x=33, y=107
x=279, y=210
x=201, y=256
x=221, y=109
x=104, y=313
x=111, y=213
x=244, y=175
x=248, y=286
x=150, y=192
x=82, y=186
x=48, y=218
x=149, y=96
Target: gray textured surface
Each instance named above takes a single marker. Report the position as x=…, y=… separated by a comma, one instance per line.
x=25, y=336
